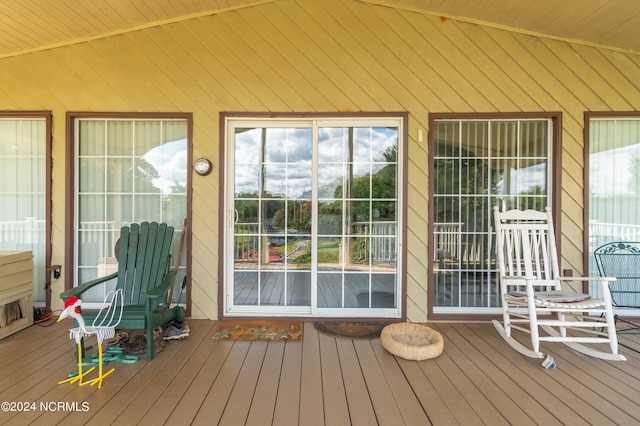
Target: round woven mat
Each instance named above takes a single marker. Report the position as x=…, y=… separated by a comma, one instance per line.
x=412, y=341
x=351, y=330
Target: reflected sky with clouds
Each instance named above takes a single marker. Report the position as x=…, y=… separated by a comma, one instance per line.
x=611, y=171
x=170, y=161
x=288, y=158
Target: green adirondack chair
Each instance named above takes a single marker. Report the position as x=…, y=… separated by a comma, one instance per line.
x=145, y=276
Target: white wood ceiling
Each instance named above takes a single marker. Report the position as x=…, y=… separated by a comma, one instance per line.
x=29, y=25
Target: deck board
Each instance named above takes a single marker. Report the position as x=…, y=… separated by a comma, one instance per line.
x=214, y=404
x=184, y=367
x=385, y=407
x=478, y=372
x=323, y=380
x=241, y=397
x=360, y=405
x=404, y=396
x=333, y=383
x=311, y=397
x=262, y=405
x=205, y=372
x=287, y=409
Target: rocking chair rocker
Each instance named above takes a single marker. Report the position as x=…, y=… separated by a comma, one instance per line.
x=532, y=295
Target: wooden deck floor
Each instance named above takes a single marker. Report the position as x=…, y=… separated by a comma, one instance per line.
x=320, y=380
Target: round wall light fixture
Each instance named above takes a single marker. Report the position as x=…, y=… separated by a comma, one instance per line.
x=202, y=166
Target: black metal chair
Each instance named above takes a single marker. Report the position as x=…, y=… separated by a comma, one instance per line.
x=622, y=260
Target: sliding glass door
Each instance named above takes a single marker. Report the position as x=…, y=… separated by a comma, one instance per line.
x=314, y=208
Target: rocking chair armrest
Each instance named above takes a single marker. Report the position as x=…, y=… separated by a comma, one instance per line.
x=514, y=280
x=518, y=277
x=161, y=290
x=79, y=290
x=602, y=279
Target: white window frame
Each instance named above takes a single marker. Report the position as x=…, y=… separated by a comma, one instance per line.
x=100, y=292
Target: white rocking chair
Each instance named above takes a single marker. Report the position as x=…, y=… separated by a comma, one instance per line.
x=532, y=295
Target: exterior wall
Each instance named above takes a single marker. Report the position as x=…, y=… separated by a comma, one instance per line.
x=324, y=56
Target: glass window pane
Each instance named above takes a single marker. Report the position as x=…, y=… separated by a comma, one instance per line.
x=247, y=145
x=330, y=294
x=332, y=145
x=91, y=138
x=299, y=143
x=330, y=180
x=330, y=214
x=247, y=180
x=272, y=286
x=148, y=137
x=384, y=211
x=356, y=292
x=245, y=287
x=119, y=208
x=298, y=253
x=384, y=182
x=120, y=176
x=275, y=145
x=147, y=208
x=299, y=184
x=91, y=209
x=330, y=253
x=146, y=178
x=92, y=177
x=382, y=294
x=119, y=138
x=299, y=288
x=246, y=211
x=274, y=180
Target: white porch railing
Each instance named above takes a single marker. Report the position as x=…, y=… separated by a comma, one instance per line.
x=21, y=232
x=605, y=232
x=381, y=247
x=375, y=241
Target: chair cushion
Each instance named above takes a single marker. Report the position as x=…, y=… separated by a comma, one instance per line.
x=553, y=296
x=561, y=296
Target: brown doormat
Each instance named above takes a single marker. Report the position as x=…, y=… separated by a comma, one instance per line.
x=351, y=330
x=259, y=330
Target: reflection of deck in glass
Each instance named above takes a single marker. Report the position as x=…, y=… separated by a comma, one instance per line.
x=330, y=295
x=469, y=289
x=463, y=267
x=354, y=271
